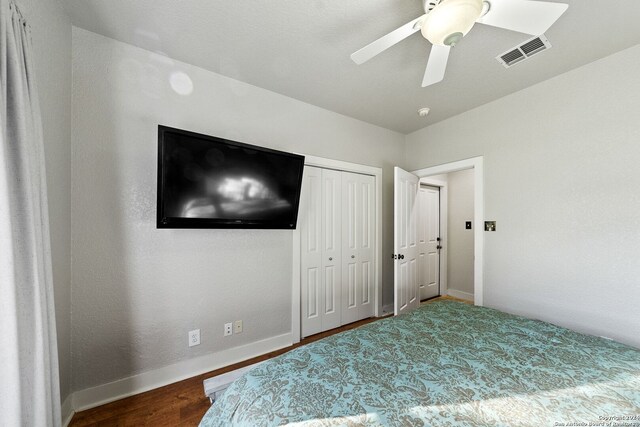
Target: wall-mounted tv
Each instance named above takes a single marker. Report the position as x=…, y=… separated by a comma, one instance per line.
x=210, y=182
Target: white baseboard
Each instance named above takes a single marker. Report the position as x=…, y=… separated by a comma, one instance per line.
x=105, y=393
x=66, y=411
x=459, y=294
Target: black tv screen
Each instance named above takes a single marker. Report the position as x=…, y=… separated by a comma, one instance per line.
x=210, y=182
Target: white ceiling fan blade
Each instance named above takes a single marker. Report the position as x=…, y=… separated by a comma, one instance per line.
x=524, y=16
x=437, y=65
x=385, y=42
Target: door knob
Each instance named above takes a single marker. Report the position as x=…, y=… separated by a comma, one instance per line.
x=353, y=256
x=330, y=259
x=401, y=256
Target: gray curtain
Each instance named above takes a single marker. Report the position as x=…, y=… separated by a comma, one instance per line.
x=29, y=387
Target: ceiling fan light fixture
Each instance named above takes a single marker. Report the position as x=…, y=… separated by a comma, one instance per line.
x=451, y=20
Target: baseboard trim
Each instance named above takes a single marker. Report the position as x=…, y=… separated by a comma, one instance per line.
x=66, y=410
x=460, y=294
x=106, y=393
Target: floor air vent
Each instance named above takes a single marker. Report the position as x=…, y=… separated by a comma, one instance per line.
x=525, y=51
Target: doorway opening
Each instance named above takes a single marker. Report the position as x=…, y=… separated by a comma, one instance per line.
x=406, y=254
x=456, y=231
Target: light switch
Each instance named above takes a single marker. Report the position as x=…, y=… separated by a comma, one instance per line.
x=489, y=226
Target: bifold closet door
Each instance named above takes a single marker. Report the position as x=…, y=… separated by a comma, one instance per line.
x=331, y=249
x=358, y=232
x=310, y=223
x=320, y=239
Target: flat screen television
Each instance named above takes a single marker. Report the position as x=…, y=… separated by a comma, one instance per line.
x=210, y=182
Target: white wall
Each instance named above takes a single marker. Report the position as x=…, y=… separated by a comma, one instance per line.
x=460, y=240
x=562, y=181
x=51, y=37
x=138, y=290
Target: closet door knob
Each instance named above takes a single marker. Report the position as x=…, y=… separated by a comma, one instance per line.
x=353, y=256
x=330, y=259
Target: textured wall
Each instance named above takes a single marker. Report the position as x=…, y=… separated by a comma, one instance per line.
x=460, y=240
x=138, y=290
x=561, y=180
x=51, y=37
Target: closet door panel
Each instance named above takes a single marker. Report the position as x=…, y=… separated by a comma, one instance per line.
x=331, y=250
x=357, y=255
x=350, y=274
x=366, y=247
x=310, y=223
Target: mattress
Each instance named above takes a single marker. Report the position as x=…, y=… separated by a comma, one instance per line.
x=444, y=364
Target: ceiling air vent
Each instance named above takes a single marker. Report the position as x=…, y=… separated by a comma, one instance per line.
x=525, y=51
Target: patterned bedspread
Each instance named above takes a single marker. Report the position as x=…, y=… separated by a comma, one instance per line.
x=445, y=364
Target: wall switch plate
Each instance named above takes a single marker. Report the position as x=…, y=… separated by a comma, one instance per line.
x=467, y=225
x=228, y=329
x=237, y=326
x=194, y=337
x=489, y=226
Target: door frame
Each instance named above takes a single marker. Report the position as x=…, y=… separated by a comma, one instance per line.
x=443, y=227
x=339, y=165
x=477, y=164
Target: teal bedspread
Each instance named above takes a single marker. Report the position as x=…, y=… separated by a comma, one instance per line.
x=445, y=364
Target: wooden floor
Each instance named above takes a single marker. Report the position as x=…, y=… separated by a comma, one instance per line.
x=182, y=403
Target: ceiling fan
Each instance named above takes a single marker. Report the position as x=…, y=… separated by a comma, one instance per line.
x=446, y=22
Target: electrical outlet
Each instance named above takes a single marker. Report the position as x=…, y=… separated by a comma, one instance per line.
x=228, y=329
x=237, y=326
x=194, y=337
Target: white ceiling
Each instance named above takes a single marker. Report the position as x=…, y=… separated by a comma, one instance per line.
x=301, y=49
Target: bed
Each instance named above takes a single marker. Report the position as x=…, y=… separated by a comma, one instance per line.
x=444, y=364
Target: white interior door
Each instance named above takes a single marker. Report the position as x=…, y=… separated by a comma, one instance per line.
x=310, y=224
x=428, y=242
x=405, y=220
x=358, y=220
x=320, y=250
x=331, y=249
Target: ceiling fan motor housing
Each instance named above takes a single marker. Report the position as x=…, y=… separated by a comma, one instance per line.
x=448, y=21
